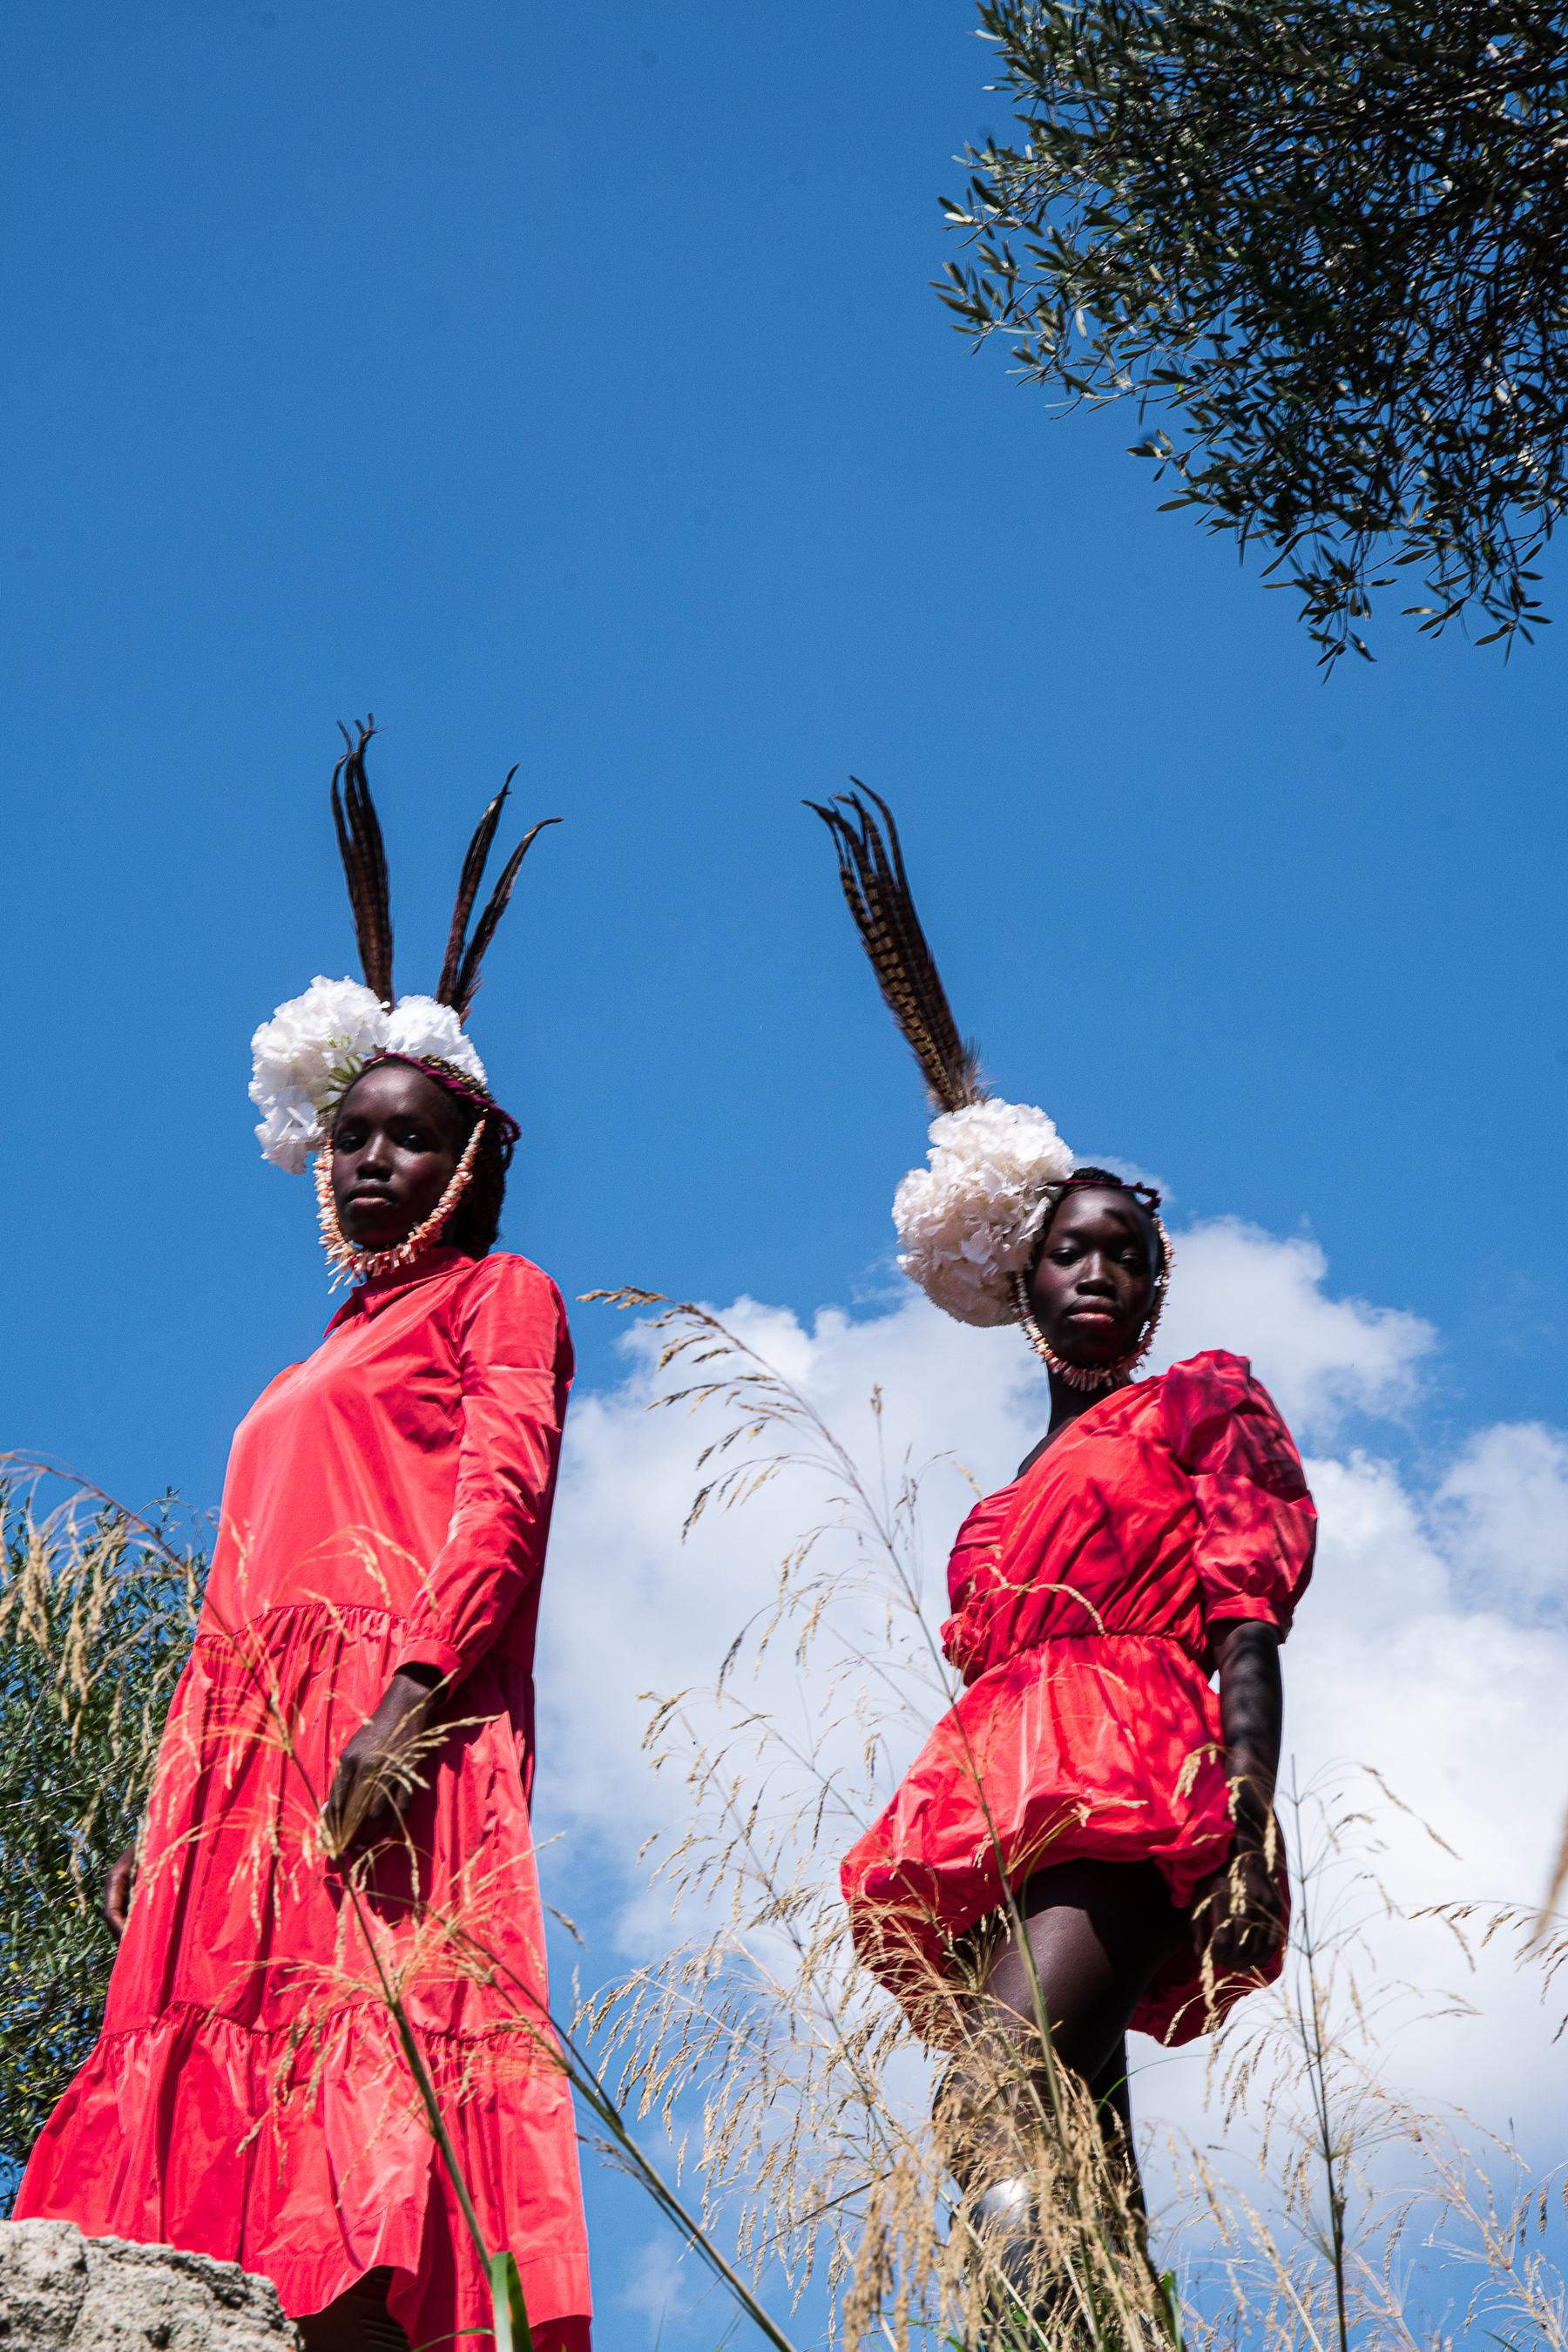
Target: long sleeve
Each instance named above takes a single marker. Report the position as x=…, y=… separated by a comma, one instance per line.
x=514, y=1353
x=1258, y=1528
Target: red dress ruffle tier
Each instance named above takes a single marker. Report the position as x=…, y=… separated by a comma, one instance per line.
x=1083, y=1597
x=387, y=1504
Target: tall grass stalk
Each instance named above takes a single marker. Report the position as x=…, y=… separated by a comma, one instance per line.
x=803, y=2097
x=95, y=1617
x=817, y=2128
x=66, y=1561
x=802, y=2094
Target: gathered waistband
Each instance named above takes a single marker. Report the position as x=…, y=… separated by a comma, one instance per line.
x=1111, y=1633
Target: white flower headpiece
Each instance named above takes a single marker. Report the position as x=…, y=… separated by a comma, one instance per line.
x=307, y=1056
x=969, y=1222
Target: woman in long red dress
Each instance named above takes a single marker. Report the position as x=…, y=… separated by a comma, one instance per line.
x=342, y=1803
x=1089, y=1779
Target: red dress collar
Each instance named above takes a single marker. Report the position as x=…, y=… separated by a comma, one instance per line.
x=382, y=1288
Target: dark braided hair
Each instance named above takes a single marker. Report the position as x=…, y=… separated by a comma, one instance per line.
x=476, y=1221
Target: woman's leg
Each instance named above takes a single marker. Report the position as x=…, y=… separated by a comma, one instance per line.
x=358, y=2321
x=1097, y=1932
x=1113, y=2103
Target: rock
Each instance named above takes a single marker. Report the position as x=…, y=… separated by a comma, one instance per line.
x=43, y=2283
x=60, y=2290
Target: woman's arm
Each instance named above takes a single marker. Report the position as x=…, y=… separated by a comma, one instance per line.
x=1238, y=1914
x=515, y=1358
x=514, y=1355
x=116, y=1892
x=1252, y=1556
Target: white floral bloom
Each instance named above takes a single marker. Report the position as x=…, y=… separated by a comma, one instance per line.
x=302, y=1059
x=969, y=1222
x=291, y=1131
x=307, y=1038
x=421, y=1026
x=307, y=1056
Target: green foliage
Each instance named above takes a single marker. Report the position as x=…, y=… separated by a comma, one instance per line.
x=97, y=1613
x=1329, y=240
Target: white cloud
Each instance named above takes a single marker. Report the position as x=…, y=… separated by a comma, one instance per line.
x=657, y=2285
x=1426, y=1648
x=1237, y=1286
x=1393, y=1665
x=630, y=1608
x=1502, y=1509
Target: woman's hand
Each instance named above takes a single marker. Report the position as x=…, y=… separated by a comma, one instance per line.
x=373, y=1780
x=116, y=1892
x=1238, y=1916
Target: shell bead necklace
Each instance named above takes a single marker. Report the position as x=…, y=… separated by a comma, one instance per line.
x=341, y=1255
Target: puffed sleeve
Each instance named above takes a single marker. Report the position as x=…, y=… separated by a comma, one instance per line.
x=1257, y=1528
x=515, y=1352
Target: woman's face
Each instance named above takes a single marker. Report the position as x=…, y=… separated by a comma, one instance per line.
x=396, y=1145
x=1093, y=1281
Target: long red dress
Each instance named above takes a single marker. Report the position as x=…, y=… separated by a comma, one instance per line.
x=387, y=1504
x=1082, y=1595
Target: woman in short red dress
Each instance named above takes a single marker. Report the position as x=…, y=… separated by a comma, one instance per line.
x=1161, y=1532
x=357, y=1719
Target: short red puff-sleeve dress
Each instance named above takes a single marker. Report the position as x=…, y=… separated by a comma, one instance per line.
x=1083, y=1595
x=387, y=1504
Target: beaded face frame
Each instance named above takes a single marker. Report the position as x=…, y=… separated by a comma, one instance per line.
x=1103, y=1376
x=346, y=1261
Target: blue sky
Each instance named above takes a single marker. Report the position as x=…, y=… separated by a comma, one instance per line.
x=564, y=385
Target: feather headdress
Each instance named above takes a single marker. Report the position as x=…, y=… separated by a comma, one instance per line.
x=968, y=1222
x=876, y=889
x=310, y=1052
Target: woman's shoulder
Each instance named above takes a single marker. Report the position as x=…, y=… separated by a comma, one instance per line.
x=506, y=1270
x=1215, y=1400
x=510, y=1289
x=270, y=1393
x=1212, y=1377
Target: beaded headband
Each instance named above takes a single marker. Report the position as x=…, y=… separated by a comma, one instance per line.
x=458, y=1083
x=1091, y=1183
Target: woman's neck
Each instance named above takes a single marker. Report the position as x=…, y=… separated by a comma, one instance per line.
x=1067, y=1403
